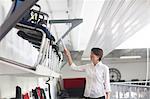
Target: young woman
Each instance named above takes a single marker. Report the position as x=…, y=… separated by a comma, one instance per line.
x=97, y=79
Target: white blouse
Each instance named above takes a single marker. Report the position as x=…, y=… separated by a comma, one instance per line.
x=97, y=79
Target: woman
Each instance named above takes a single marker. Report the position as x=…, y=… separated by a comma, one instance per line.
x=97, y=79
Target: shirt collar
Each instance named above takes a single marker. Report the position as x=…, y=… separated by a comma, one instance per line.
x=99, y=63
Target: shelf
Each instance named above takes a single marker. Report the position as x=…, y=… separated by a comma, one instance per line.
x=9, y=68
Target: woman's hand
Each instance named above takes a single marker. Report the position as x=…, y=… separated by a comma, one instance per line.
x=68, y=56
x=66, y=52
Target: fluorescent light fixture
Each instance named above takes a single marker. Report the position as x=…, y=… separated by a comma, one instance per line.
x=129, y=57
x=85, y=58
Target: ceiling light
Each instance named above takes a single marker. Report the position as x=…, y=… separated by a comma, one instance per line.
x=85, y=59
x=129, y=57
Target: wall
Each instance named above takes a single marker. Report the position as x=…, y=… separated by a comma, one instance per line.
x=53, y=86
x=129, y=70
x=67, y=72
x=8, y=85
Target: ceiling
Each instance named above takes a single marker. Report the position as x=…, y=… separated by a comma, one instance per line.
x=116, y=54
x=64, y=9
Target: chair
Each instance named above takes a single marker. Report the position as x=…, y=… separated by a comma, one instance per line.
x=33, y=28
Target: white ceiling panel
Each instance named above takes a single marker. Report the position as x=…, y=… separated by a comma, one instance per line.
x=53, y=5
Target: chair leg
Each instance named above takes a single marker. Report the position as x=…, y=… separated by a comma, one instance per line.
x=41, y=50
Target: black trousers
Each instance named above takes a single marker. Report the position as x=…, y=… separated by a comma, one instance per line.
x=95, y=98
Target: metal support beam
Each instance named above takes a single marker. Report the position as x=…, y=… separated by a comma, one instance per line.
x=11, y=20
x=74, y=23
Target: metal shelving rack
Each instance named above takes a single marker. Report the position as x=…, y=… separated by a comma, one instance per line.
x=9, y=67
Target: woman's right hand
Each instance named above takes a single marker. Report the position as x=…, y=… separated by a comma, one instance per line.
x=66, y=52
x=68, y=55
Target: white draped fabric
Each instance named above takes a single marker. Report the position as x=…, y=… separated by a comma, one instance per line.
x=117, y=21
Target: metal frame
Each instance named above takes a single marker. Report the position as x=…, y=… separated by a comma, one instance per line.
x=43, y=42
x=11, y=20
x=119, y=89
x=74, y=23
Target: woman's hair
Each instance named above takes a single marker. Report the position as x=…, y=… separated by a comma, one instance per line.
x=98, y=52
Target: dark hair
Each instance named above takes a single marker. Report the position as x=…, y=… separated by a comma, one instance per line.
x=98, y=52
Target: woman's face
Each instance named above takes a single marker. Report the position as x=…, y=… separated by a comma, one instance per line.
x=94, y=58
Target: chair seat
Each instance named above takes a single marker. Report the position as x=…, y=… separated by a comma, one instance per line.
x=34, y=40
x=36, y=27
x=33, y=32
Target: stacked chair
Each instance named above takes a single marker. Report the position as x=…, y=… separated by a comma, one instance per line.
x=33, y=28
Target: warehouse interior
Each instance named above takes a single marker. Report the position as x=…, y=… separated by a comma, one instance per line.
x=33, y=34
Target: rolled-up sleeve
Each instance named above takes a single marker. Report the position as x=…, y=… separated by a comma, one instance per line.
x=107, y=81
x=81, y=68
